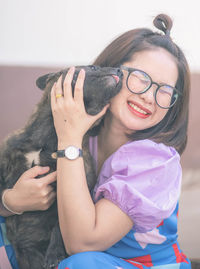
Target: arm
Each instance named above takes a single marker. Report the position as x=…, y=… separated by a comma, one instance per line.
x=85, y=226
x=29, y=194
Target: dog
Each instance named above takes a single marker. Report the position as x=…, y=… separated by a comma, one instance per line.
x=36, y=236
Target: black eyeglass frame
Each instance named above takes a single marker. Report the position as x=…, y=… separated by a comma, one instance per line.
x=176, y=92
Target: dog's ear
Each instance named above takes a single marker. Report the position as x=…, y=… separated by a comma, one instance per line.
x=42, y=81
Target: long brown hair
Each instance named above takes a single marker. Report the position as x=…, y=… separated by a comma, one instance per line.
x=172, y=130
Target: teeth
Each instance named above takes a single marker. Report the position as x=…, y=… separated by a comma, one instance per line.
x=138, y=109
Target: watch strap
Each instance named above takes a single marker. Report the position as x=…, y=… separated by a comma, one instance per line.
x=61, y=153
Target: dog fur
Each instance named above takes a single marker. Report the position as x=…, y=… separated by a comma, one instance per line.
x=35, y=236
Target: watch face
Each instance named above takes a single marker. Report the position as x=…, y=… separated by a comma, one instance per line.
x=71, y=152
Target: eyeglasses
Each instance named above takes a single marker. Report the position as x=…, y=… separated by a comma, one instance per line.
x=139, y=82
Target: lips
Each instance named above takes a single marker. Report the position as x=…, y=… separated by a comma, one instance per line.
x=139, y=110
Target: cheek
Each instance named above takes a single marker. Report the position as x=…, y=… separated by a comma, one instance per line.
x=114, y=103
x=161, y=113
x=120, y=97
x=124, y=86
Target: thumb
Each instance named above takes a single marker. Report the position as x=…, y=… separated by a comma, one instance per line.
x=35, y=171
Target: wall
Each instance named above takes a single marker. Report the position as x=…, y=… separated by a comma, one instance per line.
x=19, y=95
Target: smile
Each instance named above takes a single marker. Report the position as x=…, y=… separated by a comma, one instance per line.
x=138, y=110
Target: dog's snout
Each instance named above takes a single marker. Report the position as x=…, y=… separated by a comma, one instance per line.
x=117, y=72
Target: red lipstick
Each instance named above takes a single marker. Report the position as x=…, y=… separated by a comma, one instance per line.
x=135, y=107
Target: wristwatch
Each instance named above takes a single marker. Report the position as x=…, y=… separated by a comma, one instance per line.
x=71, y=153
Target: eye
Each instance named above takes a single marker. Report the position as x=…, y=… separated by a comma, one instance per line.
x=165, y=89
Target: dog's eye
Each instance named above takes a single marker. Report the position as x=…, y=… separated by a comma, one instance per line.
x=93, y=67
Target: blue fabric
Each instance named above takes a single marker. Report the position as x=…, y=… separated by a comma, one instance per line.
x=95, y=260
x=101, y=260
x=6, y=250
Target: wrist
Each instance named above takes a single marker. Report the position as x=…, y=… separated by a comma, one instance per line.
x=70, y=141
x=8, y=196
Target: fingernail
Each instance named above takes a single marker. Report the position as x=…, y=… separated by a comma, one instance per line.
x=72, y=68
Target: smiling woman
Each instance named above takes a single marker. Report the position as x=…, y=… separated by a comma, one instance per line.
x=136, y=150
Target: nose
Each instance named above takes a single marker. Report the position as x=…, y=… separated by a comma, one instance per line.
x=117, y=74
x=148, y=96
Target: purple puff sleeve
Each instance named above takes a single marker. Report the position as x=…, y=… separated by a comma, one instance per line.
x=143, y=178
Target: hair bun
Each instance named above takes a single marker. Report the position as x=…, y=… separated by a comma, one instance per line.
x=164, y=23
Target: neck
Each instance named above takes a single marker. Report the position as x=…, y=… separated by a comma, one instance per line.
x=112, y=136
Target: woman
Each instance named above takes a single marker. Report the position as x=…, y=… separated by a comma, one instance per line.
x=131, y=219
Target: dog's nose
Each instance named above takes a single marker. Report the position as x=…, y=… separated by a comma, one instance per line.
x=119, y=72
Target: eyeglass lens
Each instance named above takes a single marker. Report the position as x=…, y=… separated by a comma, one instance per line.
x=139, y=82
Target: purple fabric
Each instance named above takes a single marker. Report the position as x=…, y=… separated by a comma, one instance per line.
x=142, y=178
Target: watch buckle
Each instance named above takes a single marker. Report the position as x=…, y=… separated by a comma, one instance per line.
x=54, y=155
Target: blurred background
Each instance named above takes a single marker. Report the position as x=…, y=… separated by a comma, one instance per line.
x=41, y=36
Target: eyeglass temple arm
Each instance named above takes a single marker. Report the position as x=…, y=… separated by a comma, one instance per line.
x=124, y=67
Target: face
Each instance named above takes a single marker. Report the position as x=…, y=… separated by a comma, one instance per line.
x=132, y=112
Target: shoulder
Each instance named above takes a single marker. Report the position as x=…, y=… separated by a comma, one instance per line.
x=148, y=147
x=143, y=162
x=144, y=154
x=144, y=179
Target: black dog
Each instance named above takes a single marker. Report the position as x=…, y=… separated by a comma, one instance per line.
x=35, y=236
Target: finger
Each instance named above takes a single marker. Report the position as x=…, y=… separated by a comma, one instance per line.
x=78, y=90
x=53, y=97
x=49, y=189
x=68, y=83
x=58, y=90
x=36, y=171
x=50, y=178
x=102, y=112
x=48, y=201
x=52, y=197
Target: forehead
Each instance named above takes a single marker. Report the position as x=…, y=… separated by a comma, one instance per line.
x=158, y=63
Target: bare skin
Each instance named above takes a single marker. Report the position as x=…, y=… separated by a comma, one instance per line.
x=30, y=194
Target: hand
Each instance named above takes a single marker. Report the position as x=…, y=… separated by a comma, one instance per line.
x=70, y=117
x=29, y=193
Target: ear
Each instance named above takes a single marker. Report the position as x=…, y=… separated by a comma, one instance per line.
x=42, y=81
